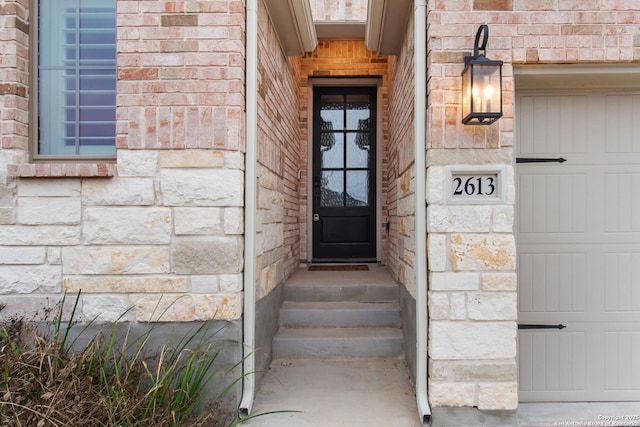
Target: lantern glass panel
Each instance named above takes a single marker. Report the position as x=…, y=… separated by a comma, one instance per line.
x=485, y=89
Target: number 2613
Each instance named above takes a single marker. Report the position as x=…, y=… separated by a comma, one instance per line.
x=474, y=186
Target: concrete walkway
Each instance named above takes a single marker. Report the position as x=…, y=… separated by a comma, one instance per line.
x=336, y=393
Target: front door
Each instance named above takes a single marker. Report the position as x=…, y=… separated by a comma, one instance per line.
x=344, y=178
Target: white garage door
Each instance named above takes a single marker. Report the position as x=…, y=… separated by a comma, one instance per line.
x=578, y=234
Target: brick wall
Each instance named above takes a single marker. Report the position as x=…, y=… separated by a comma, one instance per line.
x=14, y=102
x=339, y=58
x=165, y=231
x=279, y=158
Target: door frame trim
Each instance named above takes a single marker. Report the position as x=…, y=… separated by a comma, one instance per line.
x=344, y=81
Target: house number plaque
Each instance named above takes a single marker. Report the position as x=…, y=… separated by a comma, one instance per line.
x=475, y=186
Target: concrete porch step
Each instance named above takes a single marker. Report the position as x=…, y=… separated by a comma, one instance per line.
x=340, y=314
x=356, y=292
x=337, y=342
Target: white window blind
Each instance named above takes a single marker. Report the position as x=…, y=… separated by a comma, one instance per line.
x=76, y=77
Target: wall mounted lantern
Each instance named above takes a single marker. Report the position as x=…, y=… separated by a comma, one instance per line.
x=481, y=84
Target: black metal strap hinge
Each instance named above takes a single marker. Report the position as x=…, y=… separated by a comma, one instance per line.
x=534, y=326
x=539, y=160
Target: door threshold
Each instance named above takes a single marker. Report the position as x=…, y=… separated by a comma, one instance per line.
x=343, y=260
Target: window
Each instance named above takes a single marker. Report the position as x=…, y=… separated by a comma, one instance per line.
x=76, y=78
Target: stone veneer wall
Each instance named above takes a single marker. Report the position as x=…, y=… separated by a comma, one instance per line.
x=340, y=58
x=400, y=166
x=471, y=248
x=163, y=228
x=278, y=230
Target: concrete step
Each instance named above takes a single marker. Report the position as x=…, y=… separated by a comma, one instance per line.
x=340, y=314
x=363, y=292
x=337, y=342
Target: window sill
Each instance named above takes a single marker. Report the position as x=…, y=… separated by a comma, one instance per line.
x=62, y=170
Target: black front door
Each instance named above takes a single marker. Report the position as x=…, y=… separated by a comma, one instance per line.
x=344, y=176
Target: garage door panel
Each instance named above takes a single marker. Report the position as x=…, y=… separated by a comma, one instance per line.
x=552, y=203
x=621, y=123
x=621, y=356
x=578, y=237
x=622, y=202
x=553, y=127
x=552, y=360
x=622, y=275
x=549, y=282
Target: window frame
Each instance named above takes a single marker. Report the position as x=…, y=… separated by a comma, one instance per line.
x=34, y=100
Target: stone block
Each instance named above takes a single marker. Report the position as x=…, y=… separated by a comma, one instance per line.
x=49, y=188
x=233, y=221
x=439, y=371
x=118, y=192
x=404, y=184
x=127, y=225
x=437, y=252
x=49, y=210
x=230, y=283
x=207, y=284
x=502, y=221
x=22, y=255
x=492, y=306
x=104, y=308
x=207, y=255
x=185, y=307
x=435, y=185
x=267, y=282
x=192, y=158
x=458, y=301
x=405, y=206
x=8, y=216
x=272, y=204
x=28, y=279
x=452, y=394
x=438, y=306
x=498, y=397
x=40, y=235
x=499, y=282
x=272, y=237
x=472, y=340
x=137, y=162
x=54, y=256
x=499, y=371
x=35, y=307
x=202, y=187
x=483, y=252
x=234, y=160
x=7, y=193
x=115, y=260
x=197, y=221
x=459, y=219
x=125, y=284
x=469, y=156
x=454, y=281
x=219, y=306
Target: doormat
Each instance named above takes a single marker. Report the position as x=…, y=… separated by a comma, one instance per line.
x=339, y=268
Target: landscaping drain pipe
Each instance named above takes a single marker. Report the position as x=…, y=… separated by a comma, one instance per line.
x=251, y=118
x=419, y=118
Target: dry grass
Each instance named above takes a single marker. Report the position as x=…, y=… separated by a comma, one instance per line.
x=108, y=383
